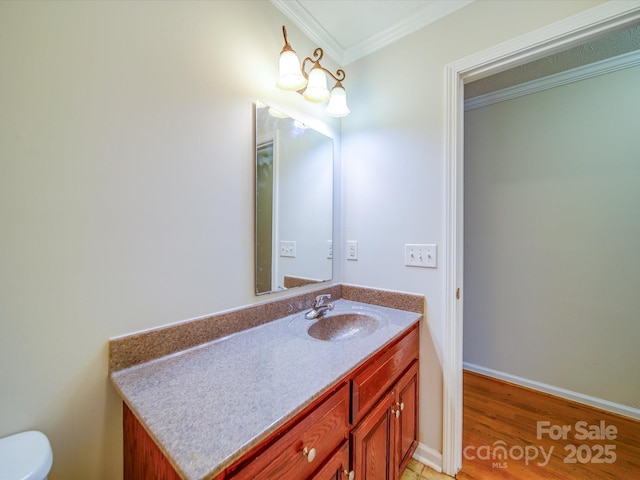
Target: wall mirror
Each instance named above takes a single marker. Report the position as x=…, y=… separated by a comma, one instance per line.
x=294, y=202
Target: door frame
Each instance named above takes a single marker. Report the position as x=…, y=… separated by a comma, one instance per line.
x=575, y=30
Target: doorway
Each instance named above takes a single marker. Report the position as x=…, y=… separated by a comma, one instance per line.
x=578, y=29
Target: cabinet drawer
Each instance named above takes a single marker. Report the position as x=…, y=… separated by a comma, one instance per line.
x=381, y=373
x=323, y=430
x=337, y=467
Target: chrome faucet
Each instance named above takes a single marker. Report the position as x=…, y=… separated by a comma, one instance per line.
x=319, y=307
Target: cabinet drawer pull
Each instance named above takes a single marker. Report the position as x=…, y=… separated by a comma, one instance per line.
x=349, y=474
x=309, y=453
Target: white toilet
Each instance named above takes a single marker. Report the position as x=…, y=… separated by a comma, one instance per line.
x=25, y=456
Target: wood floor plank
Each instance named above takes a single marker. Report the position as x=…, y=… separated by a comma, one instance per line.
x=499, y=414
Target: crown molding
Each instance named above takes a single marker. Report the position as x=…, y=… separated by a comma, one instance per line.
x=602, y=67
x=426, y=16
x=316, y=32
x=311, y=28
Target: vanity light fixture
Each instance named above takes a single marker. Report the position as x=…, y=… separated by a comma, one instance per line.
x=312, y=85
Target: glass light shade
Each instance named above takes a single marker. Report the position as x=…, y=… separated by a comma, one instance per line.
x=338, y=103
x=317, y=90
x=291, y=77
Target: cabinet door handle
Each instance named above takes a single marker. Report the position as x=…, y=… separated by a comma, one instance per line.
x=309, y=453
x=401, y=405
x=395, y=412
x=349, y=474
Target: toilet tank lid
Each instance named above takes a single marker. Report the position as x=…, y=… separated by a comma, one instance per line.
x=25, y=456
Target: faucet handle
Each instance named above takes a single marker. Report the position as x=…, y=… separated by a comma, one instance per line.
x=320, y=299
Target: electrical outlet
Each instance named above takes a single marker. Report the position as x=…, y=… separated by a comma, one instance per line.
x=352, y=250
x=420, y=255
x=287, y=248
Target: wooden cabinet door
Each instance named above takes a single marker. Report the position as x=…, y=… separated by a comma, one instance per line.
x=371, y=443
x=337, y=467
x=406, y=440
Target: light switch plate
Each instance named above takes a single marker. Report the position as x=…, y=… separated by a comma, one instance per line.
x=287, y=248
x=421, y=255
x=352, y=250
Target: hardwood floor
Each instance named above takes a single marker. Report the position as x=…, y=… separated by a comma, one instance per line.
x=542, y=436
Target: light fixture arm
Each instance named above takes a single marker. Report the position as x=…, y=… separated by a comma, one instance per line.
x=286, y=46
x=338, y=77
x=315, y=59
x=313, y=85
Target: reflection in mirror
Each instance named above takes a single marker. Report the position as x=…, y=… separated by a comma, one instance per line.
x=294, y=203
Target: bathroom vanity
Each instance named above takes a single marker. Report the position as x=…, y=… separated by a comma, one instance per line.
x=274, y=402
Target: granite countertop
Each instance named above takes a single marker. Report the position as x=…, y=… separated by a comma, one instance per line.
x=208, y=405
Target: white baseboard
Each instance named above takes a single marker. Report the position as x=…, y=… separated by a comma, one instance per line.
x=429, y=457
x=557, y=391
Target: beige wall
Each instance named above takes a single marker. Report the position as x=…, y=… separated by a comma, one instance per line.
x=393, y=159
x=126, y=150
x=551, y=235
x=126, y=178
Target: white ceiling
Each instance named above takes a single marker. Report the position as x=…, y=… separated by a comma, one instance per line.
x=351, y=29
